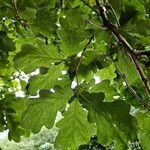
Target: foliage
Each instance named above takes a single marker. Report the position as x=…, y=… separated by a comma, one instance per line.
x=44, y=140
x=50, y=54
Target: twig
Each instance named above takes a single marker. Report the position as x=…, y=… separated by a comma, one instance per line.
x=79, y=62
x=91, y=23
x=130, y=88
x=141, y=73
x=77, y=68
x=133, y=56
x=142, y=52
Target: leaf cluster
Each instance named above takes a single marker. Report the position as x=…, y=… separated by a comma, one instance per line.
x=63, y=57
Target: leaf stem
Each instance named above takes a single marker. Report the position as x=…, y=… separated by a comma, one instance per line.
x=144, y=105
x=95, y=25
x=88, y=43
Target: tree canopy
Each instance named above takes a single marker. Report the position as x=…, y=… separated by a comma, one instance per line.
x=52, y=52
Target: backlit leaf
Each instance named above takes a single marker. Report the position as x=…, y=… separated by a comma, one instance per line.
x=46, y=81
x=36, y=56
x=73, y=127
x=42, y=111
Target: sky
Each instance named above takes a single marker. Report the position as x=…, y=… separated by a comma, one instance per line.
x=3, y=134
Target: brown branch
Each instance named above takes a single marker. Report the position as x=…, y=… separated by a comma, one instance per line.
x=133, y=56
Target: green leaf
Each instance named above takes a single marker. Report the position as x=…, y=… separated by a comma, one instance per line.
x=28, y=14
x=42, y=111
x=102, y=39
x=112, y=123
x=6, y=43
x=129, y=14
x=6, y=46
x=36, y=56
x=104, y=87
x=145, y=131
x=55, y=35
x=143, y=27
x=48, y=80
x=73, y=3
x=116, y=4
x=136, y=4
x=2, y=121
x=72, y=31
x=107, y=73
x=11, y=109
x=6, y=9
x=21, y=4
x=74, y=18
x=72, y=41
x=74, y=128
x=45, y=21
x=127, y=68
x=15, y=130
x=3, y=59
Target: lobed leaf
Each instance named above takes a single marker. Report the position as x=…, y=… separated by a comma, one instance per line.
x=109, y=115
x=42, y=111
x=32, y=57
x=74, y=128
x=46, y=81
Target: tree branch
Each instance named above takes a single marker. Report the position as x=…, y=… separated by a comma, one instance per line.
x=133, y=56
x=142, y=52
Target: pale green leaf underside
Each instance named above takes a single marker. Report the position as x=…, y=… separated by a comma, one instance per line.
x=107, y=73
x=104, y=86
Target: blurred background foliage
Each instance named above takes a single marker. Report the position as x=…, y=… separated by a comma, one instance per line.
x=44, y=140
